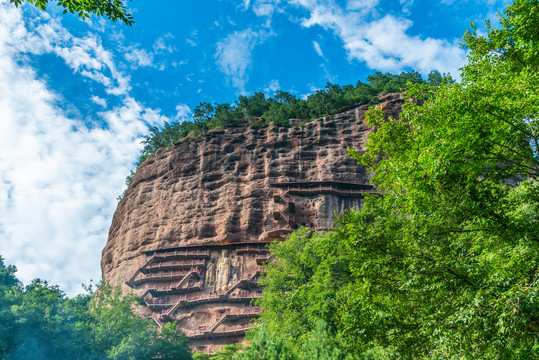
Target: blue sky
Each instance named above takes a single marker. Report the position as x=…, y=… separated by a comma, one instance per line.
x=77, y=97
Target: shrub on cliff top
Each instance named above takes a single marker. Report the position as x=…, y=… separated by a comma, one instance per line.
x=279, y=109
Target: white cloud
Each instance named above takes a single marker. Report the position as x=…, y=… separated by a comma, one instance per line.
x=138, y=57
x=183, y=112
x=318, y=49
x=99, y=101
x=406, y=5
x=193, y=38
x=361, y=4
x=272, y=87
x=58, y=177
x=382, y=43
x=234, y=54
x=160, y=46
x=84, y=55
x=264, y=8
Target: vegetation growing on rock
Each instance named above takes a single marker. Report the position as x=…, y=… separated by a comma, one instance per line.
x=277, y=110
x=39, y=322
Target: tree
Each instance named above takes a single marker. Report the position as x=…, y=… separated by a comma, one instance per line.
x=450, y=255
x=444, y=264
x=437, y=79
x=8, y=285
x=280, y=109
x=254, y=105
x=225, y=116
x=40, y=322
x=119, y=333
x=390, y=83
x=303, y=285
x=44, y=326
x=113, y=9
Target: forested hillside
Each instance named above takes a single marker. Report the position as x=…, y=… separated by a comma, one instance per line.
x=263, y=111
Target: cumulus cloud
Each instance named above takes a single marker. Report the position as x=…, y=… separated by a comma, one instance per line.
x=84, y=55
x=59, y=178
x=234, y=55
x=382, y=43
x=99, y=101
x=183, y=112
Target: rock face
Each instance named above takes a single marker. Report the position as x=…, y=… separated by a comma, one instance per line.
x=189, y=233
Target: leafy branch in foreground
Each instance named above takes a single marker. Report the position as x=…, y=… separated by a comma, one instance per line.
x=115, y=10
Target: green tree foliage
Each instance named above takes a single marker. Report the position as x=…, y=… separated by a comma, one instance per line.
x=226, y=352
x=310, y=270
x=444, y=265
x=262, y=111
x=389, y=83
x=113, y=9
x=40, y=322
x=268, y=345
x=253, y=106
x=285, y=106
x=8, y=284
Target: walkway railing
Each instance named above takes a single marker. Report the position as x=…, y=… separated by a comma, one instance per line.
x=279, y=231
x=332, y=189
x=176, y=254
x=282, y=197
x=173, y=265
x=177, y=288
x=249, y=313
x=251, y=248
x=182, y=253
x=278, y=214
x=224, y=332
x=165, y=276
x=260, y=259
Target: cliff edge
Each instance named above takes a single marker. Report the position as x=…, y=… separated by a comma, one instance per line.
x=189, y=233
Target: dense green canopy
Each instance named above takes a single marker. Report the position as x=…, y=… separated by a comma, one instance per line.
x=445, y=264
x=39, y=322
x=261, y=110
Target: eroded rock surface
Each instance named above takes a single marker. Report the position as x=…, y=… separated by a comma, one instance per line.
x=189, y=232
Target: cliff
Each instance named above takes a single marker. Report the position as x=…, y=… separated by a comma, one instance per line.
x=189, y=232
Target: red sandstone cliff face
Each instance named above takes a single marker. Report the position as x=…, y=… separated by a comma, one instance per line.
x=242, y=185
